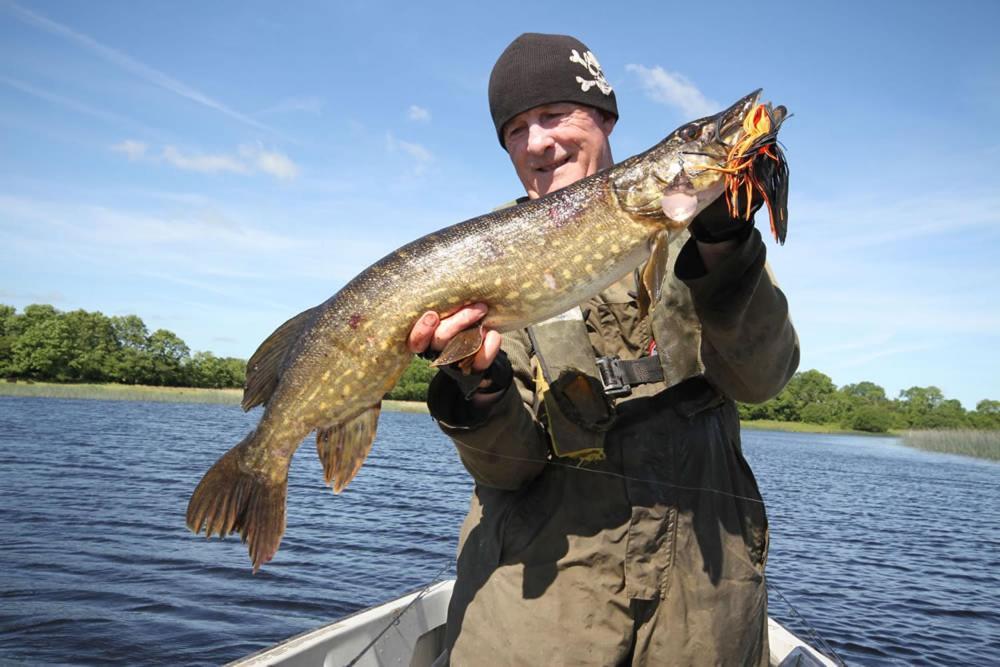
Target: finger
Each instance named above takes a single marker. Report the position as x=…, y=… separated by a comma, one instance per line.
x=422, y=332
x=488, y=352
x=460, y=320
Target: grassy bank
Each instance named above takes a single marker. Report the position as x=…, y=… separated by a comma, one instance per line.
x=967, y=442
x=126, y=392
x=797, y=427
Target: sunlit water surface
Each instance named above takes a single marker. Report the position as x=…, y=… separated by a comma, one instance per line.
x=892, y=555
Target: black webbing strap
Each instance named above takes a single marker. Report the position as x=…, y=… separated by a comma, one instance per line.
x=619, y=376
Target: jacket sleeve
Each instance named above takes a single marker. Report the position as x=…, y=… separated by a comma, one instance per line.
x=503, y=446
x=749, y=346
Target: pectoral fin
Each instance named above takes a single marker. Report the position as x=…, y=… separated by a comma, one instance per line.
x=344, y=447
x=461, y=348
x=653, y=273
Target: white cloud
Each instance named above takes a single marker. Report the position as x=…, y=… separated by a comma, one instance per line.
x=416, y=151
x=247, y=160
x=204, y=163
x=126, y=62
x=134, y=150
x=421, y=156
x=418, y=114
x=270, y=162
x=674, y=90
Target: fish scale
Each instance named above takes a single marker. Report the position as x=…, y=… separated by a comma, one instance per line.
x=327, y=369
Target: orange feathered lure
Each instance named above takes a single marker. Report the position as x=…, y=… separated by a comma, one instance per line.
x=756, y=163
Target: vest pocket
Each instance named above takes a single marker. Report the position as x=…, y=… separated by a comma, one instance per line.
x=621, y=330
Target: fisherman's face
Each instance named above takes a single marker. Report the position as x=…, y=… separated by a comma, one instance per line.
x=554, y=145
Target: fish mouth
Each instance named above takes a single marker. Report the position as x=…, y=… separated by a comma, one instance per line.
x=729, y=122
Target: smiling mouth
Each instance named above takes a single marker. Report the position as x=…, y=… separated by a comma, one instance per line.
x=549, y=168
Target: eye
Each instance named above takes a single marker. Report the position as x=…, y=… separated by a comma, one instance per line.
x=690, y=132
x=513, y=132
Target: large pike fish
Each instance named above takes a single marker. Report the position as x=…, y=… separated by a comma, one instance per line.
x=328, y=368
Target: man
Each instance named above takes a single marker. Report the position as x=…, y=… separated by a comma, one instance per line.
x=635, y=535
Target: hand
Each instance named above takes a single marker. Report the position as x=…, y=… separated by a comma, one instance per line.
x=715, y=224
x=433, y=333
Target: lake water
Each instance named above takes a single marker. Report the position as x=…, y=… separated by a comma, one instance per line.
x=891, y=554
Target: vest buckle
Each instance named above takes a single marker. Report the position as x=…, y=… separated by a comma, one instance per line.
x=613, y=377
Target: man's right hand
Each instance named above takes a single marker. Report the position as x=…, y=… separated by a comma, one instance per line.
x=432, y=332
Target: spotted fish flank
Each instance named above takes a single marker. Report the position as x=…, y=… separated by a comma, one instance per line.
x=327, y=369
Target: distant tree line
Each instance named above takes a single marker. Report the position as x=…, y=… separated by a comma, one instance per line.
x=45, y=344
x=811, y=396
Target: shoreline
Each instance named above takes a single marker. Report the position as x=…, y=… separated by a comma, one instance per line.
x=123, y=392
x=127, y=392
x=983, y=445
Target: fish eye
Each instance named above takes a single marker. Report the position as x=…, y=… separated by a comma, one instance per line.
x=690, y=132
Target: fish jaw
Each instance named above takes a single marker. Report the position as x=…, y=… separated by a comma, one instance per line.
x=670, y=184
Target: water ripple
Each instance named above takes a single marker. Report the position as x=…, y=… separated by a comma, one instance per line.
x=892, y=555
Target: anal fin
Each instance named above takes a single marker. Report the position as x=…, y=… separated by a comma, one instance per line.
x=344, y=447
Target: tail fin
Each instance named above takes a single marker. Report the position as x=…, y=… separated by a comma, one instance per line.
x=230, y=499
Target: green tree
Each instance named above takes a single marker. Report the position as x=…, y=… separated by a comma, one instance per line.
x=412, y=386
x=949, y=413
x=867, y=408
x=806, y=388
x=986, y=416
x=872, y=418
x=93, y=346
x=917, y=403
x=207, y=370
x=133, y=364
x=865, y=392
x=169, y=355
x=8, y=334
x=43, y=349
x=754, y=411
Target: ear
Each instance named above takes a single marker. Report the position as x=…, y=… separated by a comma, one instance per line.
x=607, y=122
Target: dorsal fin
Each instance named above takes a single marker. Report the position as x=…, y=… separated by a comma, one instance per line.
x=264, y=367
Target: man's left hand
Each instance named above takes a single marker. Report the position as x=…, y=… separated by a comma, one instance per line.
x=715, y=224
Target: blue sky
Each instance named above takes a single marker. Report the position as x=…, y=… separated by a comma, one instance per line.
x=218, y=167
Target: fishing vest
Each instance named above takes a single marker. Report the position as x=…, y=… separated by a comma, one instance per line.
x=568, y=384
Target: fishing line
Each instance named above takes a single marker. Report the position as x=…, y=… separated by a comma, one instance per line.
x=399, y=614
x=812, y=631
x=809, y=628
x=395, y=620
x=610, y=473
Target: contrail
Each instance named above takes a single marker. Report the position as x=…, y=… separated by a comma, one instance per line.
x=130, y=64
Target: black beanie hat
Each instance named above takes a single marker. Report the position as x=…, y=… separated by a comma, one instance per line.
x=541, y=69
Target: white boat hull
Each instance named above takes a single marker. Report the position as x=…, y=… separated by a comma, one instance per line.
x=383, y=635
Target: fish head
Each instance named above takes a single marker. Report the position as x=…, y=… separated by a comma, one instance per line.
x=672, y=182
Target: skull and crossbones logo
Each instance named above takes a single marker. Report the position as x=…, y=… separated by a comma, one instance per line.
x=589, y=61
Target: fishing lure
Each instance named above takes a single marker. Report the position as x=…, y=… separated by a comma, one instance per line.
x=756, y=162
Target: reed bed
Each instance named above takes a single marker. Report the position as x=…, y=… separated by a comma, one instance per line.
x=125, y=392
x=967, y=442
x=796, y=427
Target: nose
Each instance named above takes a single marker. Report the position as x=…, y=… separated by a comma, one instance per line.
x=539, y=139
